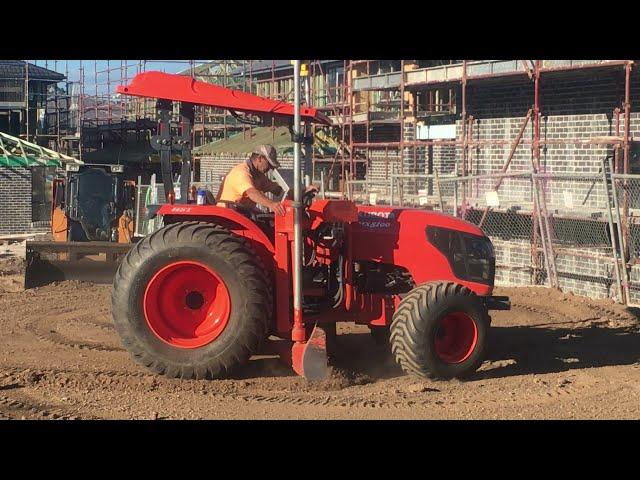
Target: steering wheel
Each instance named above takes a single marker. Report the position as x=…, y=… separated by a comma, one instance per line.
x=307, y=198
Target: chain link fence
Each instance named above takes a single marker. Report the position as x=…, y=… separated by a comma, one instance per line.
x=556, y=229
x=576, y=212
x=626, y=190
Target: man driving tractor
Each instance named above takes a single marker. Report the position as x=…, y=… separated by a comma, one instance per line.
x=247, y=182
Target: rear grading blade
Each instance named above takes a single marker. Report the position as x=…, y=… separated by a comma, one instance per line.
x=48, y=262
x=314, y=358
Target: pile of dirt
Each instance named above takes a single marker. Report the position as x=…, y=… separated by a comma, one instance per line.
x=11, y=265
x=338, y=379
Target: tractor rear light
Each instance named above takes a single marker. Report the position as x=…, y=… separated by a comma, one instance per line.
x=471, y=257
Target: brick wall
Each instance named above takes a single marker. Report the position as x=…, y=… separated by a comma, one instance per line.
x=577, y=106
x=15, y=197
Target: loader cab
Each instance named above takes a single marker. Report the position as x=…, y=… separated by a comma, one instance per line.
x=94, y=198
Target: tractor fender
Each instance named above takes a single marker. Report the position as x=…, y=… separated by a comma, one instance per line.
x=225, y=217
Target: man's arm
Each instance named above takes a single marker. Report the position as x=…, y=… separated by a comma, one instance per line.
x=256, y=196
x=267, y=185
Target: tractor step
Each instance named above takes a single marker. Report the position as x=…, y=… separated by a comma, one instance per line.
x=48, y=262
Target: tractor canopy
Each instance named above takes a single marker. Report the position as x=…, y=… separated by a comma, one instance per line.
x=166, y=86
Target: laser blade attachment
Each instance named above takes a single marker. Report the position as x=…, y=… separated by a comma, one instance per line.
x=314, y=359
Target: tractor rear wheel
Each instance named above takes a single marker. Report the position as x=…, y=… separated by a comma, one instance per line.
x=440, y=331
x=191, y=300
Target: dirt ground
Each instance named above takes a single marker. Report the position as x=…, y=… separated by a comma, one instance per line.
x=553, y=356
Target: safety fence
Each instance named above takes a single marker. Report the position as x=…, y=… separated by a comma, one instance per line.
x=576, y=231
x=154, y=195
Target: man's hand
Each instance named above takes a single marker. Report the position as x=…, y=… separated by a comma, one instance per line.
x=277, y=208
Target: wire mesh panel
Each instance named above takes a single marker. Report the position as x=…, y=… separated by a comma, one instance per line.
x=424, y=191
x=147, y=195
x=627, y=191
x=498, y=191
x=501, y=205
x=579, y=233
x=358, y=191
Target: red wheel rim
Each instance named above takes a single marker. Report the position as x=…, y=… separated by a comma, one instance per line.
x=187, y=305
x=456, y=337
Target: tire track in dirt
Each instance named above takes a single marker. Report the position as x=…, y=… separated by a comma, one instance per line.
x=27, y=409
x=54, y=338
x=52, y=377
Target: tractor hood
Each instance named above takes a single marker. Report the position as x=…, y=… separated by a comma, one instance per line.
x=400, y=236
x=390, y=219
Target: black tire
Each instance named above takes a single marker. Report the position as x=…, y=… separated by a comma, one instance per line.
x=416, y=325
x=242, y=272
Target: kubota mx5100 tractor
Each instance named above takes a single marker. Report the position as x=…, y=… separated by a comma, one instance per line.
x=198, y=298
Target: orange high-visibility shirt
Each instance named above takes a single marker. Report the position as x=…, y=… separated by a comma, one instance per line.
x=240, y=179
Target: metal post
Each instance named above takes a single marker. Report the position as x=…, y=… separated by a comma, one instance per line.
x=463, y=118
x=536, y=211
x=455, y=192
x=26, y=93
x=611, y=232
x=391, y=187
x=297, y=203
x=136, y=217
x=620, y=238
x=626, y=154
x=435, y=172
x=543, y=219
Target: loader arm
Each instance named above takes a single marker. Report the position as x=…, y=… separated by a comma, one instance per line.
x=166, y=86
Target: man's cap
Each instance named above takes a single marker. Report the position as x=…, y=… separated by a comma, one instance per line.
x=270, y=153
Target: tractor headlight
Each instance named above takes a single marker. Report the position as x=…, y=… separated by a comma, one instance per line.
x=471, y=256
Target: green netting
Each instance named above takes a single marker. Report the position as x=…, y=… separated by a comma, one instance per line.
x=280, y=138
x=28, y=161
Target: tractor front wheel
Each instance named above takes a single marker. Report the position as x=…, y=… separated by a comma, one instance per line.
x=440, y=331
x=191, y=300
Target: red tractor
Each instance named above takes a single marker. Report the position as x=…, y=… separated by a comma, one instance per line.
x=200, y=296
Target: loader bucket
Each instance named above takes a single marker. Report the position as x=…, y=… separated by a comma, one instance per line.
x=48, y=262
